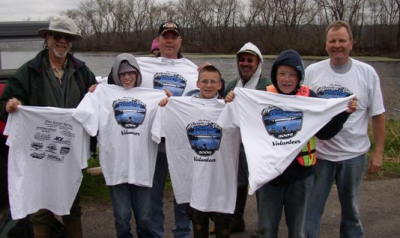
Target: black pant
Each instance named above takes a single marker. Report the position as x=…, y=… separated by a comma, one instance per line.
x=200, y=221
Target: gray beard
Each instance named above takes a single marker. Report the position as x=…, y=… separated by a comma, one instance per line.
x=59, y=55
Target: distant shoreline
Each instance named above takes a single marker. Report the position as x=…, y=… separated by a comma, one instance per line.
x=228, y=56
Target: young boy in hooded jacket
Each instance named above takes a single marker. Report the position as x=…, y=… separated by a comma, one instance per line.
x=122, y=115
x=290, y=191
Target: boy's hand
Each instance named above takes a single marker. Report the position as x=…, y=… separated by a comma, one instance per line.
x=229, y=97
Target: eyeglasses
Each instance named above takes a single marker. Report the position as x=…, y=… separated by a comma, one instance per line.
x=245, y=59
x=208, y=81
x=58, y=36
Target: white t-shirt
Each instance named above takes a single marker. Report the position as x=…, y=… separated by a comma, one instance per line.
x=362, y=81
x=123, y=118
x=179, y=76
x=202, y=158
x=274, y=128
x=48, y=150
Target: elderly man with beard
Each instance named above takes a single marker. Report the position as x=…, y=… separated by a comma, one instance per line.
x=53, y=78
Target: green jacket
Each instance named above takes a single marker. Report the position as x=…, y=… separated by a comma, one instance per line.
x=261, y=85
x=34, y=84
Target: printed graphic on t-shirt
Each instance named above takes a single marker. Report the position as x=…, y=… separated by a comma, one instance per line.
x=52, y=141
x=204, y=137
x=129, y=112
x=281, y=124
x=333, y=91
x=173, y=82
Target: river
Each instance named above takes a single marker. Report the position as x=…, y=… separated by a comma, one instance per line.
x=100, y=63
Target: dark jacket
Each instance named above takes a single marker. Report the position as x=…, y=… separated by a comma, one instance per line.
x=34, y=84
x=261, y=85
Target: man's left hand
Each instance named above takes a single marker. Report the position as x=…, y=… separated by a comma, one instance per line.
x=375, y=162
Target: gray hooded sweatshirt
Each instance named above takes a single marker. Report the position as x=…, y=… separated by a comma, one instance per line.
x=132, y=61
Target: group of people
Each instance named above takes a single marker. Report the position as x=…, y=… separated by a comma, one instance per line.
x=145, y=133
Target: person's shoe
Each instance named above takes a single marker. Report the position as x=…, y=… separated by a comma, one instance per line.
x=212, y=230
x=238, y=225
x=73, y=227
x=41, y=231
x=254, y=235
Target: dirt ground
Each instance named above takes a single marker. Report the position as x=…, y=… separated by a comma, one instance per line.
x=380, y=214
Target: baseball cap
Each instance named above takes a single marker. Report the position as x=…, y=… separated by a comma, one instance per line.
x=169, y=26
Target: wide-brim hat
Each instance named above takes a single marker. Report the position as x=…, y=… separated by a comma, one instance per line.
x=61, y=24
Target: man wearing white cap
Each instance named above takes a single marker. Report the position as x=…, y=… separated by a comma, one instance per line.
x=249, y=63
x=53, y=78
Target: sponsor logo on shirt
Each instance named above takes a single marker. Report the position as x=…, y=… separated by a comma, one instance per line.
x=38, y=155
x=55, y=158
x=173, y=82
x=52, y=148
x=282, y=124
x=64, y=150
x=42, y=136
x=204, y=138
x=333, y=91
x=129, y=113
x=52, y=140
x=37, y=145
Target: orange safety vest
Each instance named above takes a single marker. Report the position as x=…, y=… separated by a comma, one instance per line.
x=307, y=157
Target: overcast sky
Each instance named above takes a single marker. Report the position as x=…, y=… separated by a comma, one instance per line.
x=34, y=10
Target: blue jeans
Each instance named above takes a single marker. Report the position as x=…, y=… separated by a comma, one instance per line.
x=290, y=197
x=126, y=198
x=348, y=175
x=182, y=228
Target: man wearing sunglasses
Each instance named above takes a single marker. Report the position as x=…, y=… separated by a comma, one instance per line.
x=53, y=78
x=249, y=63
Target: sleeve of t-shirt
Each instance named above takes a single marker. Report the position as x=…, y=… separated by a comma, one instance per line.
x=375, y=96
x=157, y=131
x=8, y=130
x=307, y=80
x=87, y=113
x=85, y=150
x=228, y=118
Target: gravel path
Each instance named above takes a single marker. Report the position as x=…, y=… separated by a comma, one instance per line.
x=380, y=212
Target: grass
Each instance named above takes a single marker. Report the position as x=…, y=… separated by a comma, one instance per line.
x=93, y=187
x=391, y=161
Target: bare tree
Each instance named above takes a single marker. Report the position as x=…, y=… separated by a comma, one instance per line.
x=340, y=9
x=224, y=25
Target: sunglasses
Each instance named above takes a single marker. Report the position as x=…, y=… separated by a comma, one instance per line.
x=59, y=36
x=245, y=59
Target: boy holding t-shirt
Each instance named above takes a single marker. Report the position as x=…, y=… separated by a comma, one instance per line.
x=122, y=114
x=202, y=157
